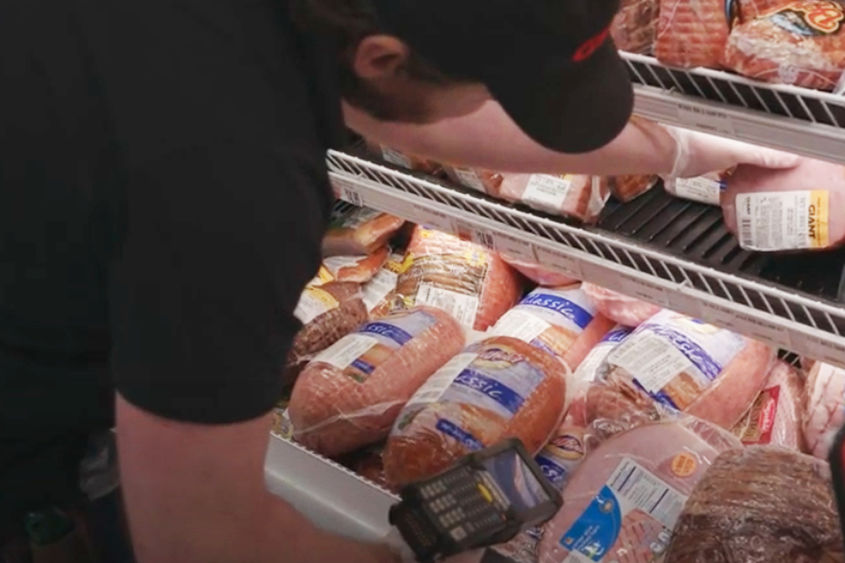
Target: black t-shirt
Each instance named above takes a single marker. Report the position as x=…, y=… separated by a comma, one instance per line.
x=162, y=198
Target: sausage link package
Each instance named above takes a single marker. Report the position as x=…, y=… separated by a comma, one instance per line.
x=350, y=393
x=359, y=230
x=622, y=309
x=560, y=321
x=464, y=279
x=674, y=363
x=785, y=210
x=693, y=33
x=824, y=404
x=625, y=498
x=497, y=388
x=358, y=269
x=635, y=25
x=800, y=43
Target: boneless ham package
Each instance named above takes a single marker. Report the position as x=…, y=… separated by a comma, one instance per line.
x=497, y=388
x=465, y=279
x=692, y=33
x=349, y=395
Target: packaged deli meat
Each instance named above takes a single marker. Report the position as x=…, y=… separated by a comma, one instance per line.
x=378, y=293
x=703, y=189
x=776, y=414
x=788, y=209
x=624, y=500
x=800, y=43
x=759, y=505
x=626, y=188
x=358, y=269
x=619, y=308
x=674, y=363
x=402, y=159
x=465, y=279
x=633, y=29
x=537, y=273
x=496, y=388
x=478, y=179
x=569, y=195
x=359, y=230
x=693, y=33
x=558, y=320
x=824, y=404
x=350, y=393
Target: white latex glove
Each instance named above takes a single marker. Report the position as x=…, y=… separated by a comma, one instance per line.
x=697, y=154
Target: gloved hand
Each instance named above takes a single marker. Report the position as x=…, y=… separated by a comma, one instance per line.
x=699, y=153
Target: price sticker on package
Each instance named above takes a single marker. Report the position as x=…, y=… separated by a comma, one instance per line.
x=704, y=118
x=560, y=262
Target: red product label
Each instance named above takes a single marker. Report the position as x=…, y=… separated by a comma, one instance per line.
x=757, y=427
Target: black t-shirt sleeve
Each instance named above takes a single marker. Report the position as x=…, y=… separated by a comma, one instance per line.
x=224, y=201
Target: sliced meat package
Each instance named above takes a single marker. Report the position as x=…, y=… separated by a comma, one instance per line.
x=693, y=33
x=760, y=505
x=623, y=501
x=619, y=308
x=824, y=404
x=328, y=312
x=634, y=27
x=359, y=230
x=800, y=43
x=775, y=417
x=465, y=279
x=478, y=179
x=358, y=269
x=559, y=320
x=673, y=363
x=349, y=395
x=403, y=159
x=784, y=210
x=626, y=188
x=569, y=195
x=380, y=290
x=538, y=274
x=703, y=189
x=497, y=388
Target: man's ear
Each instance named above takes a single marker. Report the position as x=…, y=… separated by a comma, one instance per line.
x=379, y=56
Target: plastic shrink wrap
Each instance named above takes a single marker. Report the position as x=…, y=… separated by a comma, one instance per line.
x=477, y=179
x=497, y=388
x=635, y=25
x=379, y=293
x=759, y=505
x=626, y=188
x=624, y=500
x=619, y=308
x=558, y=320
x=693, y=33
x=673, y=363
x=467, y=280
x=358, y=269
x=568, y=195
x=775, y=417
x=824, y=404
x=359, y=230
x=349, y=395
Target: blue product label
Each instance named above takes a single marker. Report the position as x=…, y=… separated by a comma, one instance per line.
x=497, y=391
x=365, y=367
x=554, y=472
x=561, y=303
x=616, y=335
x=459, y=434
x=387, y=330
x=596, y=530
x=695, y=353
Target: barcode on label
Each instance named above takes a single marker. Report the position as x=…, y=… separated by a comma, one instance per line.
x=745, y=233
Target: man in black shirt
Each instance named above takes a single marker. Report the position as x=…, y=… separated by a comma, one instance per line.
x=162, y=200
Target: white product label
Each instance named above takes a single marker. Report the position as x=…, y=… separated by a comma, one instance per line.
x=783, y=220
x=651, y=359
x=461, y=306
x=469, y=178
x=312, y=303
x=342, y=353
x=377, y=288
x=702, y=189
x=395, y=157
x=336, y=263
x=520, y=324
x=436, y=385
x=547, y=192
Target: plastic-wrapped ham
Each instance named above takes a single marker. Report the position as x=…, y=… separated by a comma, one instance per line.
x=633, y=29
x=626, y=188
x=359, y=230
x=349, y=395
x=800, y=43
x=623, y=501
x=775, y=417
x=824, y=403
x=693, y=33
x=783, y=210
x=358, y=269
x=760, y=505
x=557, y=320
x=538, y=274
x=568, y=195
x=478, y=179
x=465, y=279
x=497, y=388
x=619, y=308
x=674, y=363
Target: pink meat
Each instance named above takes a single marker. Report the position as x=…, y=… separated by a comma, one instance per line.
x=675, y=453
x=824, y=402
x=619, y=308
x=775, y=416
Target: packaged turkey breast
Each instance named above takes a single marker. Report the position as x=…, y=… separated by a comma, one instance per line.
x=788, y=209
x=537, y=273
x=349, y=395
x=673, y=363
x=358, y=230
x=619, y=308
x=497, y=388
x=703, y=189
x=824, y=404
x=358, y=269
x=759, y=505
x=626, y=188
x=634, y=27
x=568, y=195
x=559, y=320
x=800, y=43
x=379, y=291
x=465, y=279
x=402, y=159
x=625, y=498
x=775, y=416
x=693, y=33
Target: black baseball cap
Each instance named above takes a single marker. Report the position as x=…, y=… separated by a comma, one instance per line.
x=551, y=64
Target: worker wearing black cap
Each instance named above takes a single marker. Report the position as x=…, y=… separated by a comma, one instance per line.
x=162, y=200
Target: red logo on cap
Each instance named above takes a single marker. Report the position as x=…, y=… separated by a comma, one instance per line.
x=589, y=46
